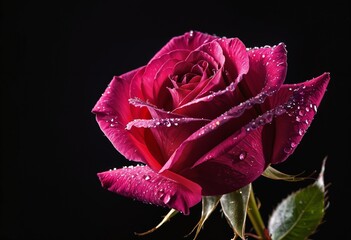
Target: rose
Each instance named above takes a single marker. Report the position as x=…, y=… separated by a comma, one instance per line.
x=205, y=116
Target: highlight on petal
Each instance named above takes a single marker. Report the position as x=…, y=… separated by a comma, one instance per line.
x=143, y=184
x=165, y=122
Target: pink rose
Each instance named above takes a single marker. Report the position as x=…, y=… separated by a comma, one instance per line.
x=205, y=116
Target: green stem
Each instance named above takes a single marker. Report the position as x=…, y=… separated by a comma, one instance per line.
x=255, y=217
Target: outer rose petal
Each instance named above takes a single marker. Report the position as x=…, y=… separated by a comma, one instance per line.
x=290, y=128
x=189, y=41
x=143, y=184
x=268, y=68
x=113, y=112
x=239, y=163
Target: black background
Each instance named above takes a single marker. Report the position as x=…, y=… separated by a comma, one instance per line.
x=57, y=58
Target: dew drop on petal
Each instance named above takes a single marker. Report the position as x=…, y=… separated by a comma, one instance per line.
x=301, y=132
x=315, y=108
x=167, y=198
x=242, y=155
x=287, y=149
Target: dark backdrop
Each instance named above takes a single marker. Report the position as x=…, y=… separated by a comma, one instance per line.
x=57, y=58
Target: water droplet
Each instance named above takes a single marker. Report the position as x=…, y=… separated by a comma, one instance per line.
x=147, y=177
x=269, y=117
x=242, y=155
x=167, y=198
x=315, y=108
x=301, y=132
x=287, y=149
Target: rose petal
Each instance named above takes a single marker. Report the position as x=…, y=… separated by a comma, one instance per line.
x=210, y=52
x=169, y=133
x=189, y=41
x=236, y=60
x=232, y=169
x=153, y=84
x=113, y=112
x=165, y=127
x=235, y=68
x=213, y=133
x=268, y=68
x=143, y=184
x=304, y=99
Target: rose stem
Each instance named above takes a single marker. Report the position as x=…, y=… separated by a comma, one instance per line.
x=255, y=217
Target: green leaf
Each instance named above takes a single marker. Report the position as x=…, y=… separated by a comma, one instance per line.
x=234, y=206
x=299, y=215
x=166, y=218
x=274, y=174
x=209, y=204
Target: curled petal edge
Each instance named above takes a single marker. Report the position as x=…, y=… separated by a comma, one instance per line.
x=143, y=184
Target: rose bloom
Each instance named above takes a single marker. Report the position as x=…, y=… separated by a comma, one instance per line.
x=205, y=116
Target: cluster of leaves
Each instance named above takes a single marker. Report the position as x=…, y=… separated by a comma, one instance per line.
x=296, y=217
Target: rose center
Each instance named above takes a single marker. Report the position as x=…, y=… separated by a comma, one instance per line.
x=188, y=78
